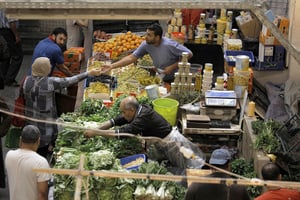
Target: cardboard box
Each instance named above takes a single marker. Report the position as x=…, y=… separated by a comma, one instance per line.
x=73, y=66
x=265, y=52
x=74, y=54
x=268, y=40
x=270, y=58
x=250, y=29
x=283, y=25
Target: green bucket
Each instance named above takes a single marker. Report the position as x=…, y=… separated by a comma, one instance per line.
x=167, y=108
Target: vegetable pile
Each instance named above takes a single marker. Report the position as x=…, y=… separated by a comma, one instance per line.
x=104, y=154
x=266, y=139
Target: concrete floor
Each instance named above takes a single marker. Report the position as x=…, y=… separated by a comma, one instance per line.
x=9, y=94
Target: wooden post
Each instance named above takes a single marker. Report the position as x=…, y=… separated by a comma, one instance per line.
x=77, y=194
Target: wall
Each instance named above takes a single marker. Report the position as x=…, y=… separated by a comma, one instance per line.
x=294, y=16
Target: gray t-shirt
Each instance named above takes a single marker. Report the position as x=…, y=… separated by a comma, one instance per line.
x=167, y=53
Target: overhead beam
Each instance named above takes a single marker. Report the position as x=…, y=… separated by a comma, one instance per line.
x=125, y=4
x=103, y=14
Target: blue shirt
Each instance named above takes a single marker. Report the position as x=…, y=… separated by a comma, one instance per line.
x=48, y=48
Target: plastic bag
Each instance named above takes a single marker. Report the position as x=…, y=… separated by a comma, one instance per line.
x=12, y=138
x=169, y=148
x=19, y=109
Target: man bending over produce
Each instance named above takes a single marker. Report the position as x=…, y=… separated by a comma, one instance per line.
x=142, y=120
x=136, y=119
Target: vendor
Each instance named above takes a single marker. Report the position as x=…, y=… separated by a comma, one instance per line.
x=135, y=119
x=165, y=53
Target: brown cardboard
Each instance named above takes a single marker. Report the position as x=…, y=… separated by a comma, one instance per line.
x=250, y=29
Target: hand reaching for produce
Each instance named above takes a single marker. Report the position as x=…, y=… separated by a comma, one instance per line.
x=89, y=133
x=95, y=72
x=106, y=68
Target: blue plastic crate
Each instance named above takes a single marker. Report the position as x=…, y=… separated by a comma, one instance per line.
x=269, y=66
x=129, y=159
x=230, y=56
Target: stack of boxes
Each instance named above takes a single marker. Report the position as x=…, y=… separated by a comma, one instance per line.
x=271, y=55
x=73, y=58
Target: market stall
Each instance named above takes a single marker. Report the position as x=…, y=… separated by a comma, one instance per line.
x=229, y=134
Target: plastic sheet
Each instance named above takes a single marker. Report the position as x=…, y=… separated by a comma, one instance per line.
x=169, y=148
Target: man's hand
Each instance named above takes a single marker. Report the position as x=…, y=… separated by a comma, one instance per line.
x=95, y=72
x=89, y=133
x=169, y=69
x=106, y=68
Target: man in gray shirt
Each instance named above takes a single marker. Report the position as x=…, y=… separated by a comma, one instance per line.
x=165, y=53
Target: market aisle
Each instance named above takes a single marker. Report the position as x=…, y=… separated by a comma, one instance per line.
x=9, y=94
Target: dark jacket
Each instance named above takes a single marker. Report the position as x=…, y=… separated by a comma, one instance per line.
x=208, y=191
x=146, y=122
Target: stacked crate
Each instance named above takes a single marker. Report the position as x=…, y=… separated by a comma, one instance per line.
x=73, y=58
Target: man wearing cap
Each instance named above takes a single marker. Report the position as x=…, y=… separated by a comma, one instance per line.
x=24, y=183
x=220, y=158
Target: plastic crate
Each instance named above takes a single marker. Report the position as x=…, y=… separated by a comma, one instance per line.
x=269, y=66
x=230, y=56
x=129, y=159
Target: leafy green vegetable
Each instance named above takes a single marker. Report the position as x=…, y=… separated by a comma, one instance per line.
x=266, y=139
x=102, y=159
x=91, y=106
x=241, y=167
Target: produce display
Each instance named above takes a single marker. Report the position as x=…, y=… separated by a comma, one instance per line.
x=145, y=61
x=97, y=90
x=104, y=154
x=101, y=35
x=119, y=44
x=133, y=76
x=266, y=139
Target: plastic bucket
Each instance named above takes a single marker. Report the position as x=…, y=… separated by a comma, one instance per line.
x=152, y=91
x=167, y=108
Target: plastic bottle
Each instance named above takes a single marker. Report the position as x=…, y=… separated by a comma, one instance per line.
x=230, y=83
x=198, y=80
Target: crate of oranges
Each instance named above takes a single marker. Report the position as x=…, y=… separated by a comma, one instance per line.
x=119, y=44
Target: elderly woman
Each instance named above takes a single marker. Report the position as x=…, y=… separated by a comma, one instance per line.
x=39, y=91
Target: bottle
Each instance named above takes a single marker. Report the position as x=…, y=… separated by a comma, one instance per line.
x=191, y=33
x=198, y=80
x=211, y=33
x=230, y=83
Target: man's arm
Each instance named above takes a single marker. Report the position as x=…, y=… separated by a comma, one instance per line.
x=121, y=63
x=170, y=68
x=43, y=190
x=64, y=69
x=93, y=133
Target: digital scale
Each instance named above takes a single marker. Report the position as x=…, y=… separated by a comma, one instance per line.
x=220, y=98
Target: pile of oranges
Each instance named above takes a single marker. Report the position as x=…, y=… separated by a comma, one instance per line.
x=119, y=44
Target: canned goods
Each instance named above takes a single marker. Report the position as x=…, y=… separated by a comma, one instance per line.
x=176, y=29
x=179, y=21
x=184, y=58
x=242, y=62
x=208, y=66
x=173, y=21
x=170, y=28
x=183, y=29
